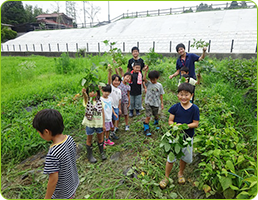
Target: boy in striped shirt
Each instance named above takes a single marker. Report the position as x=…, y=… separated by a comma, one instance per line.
x=60, y=161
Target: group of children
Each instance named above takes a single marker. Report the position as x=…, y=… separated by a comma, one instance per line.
x=119, y=96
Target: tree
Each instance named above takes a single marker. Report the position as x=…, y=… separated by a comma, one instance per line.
x=233, y=5
x=203, y=7
x=32, y=13
x=92, y=11
x=71, y=9
x=12, y=12
x=243, y=4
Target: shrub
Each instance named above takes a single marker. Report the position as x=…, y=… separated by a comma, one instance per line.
x=7, y=34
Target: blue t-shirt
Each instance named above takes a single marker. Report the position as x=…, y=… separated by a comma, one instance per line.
x=188, y=62
x=185, y=116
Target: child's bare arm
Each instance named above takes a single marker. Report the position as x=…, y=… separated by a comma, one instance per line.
x=194, y=124
x=113, y=111
x=145, y=74
x=85, y=96
x=129, y=100
x=121, y=71
x=51, y=186
x=171, y=119
x=109, y=76
x=119, y=106
x=161, y=99
x=103, y=116
x=198, y=78
x=116, y=71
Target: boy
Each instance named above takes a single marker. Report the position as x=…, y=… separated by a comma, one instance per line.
x=135, y=54
x=184, y=72
x=182, y=113
x=136, y=90
x=60, y=161
x=125, y=89
x=153, y=99
x=187, y=59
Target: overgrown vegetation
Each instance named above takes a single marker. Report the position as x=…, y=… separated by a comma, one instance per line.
x=224, y=146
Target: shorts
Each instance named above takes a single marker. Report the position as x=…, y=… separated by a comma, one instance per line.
x=90, y=131
x=151, y=110
x=109, y=125
x=117, y=112
x=188, y=157
x=124, y=108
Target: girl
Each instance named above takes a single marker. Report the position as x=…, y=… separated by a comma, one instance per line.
x=108, y=110
x=94, y=120
x=116, y=104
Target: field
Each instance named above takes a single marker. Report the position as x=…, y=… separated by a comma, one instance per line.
x=225, y=144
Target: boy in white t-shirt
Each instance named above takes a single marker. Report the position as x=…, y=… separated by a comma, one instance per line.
x=116, y=95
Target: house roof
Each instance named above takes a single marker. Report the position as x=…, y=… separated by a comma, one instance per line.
x=53, y=15
x=47, y=21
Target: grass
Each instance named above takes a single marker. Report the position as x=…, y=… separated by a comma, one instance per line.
x=35, y=82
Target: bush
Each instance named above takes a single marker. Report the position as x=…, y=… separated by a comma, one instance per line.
x=7, y=34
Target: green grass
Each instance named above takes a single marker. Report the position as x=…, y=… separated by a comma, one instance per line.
x=228, y=123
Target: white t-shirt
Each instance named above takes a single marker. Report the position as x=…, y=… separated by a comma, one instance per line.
x=116, y=95
x=107, y=108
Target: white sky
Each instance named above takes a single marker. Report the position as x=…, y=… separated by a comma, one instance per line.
x=118, y=7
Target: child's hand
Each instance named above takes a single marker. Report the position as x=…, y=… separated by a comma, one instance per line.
x=128, y=105
x=162, y=106
x=145, y=90
x=204, y=49
x=116, y=115
x=104, y=128
x=120, y=69
x=120, y=111
x=83, y=90
x=171, y=76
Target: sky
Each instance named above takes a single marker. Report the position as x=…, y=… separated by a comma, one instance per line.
x=118, y=7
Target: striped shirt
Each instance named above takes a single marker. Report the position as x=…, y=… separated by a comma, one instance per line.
x=61, y=159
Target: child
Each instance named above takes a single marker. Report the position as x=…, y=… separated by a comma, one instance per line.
x=108, y=110
x=94, y=120
x=136, y=58
x=153, y=99
x=136, y=90
x=187, y=59
x=116, y=96
x=182, y=113
x=184, y=72
x=125, y=89
x=60, y=160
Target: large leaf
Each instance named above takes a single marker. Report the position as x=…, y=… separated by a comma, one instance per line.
x=230, y=166
x=225, y=182
x=167, y=147
x=177, y=148
x=229, y=193
x=243, y=195
x=171, y=156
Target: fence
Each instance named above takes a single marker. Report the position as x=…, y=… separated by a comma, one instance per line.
x=168, y=11
x=68, y=47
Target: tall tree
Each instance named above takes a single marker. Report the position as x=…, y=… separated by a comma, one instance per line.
x=32, y=13
x=92, y=11
x=71, y=9
x=12, y=12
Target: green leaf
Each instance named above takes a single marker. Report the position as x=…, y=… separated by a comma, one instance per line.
x=173, y=195
x=216, y=152
x=229, y=193
x=167, y=147
x=243, y=195
x=171, y=156
x=230, y=166
x=225, y=182
x=240, y=159
x=177, y=148
x=233, y=187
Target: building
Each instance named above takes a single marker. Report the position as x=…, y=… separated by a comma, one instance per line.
x=55, y=21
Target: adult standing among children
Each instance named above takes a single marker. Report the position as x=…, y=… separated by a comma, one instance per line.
x=187, y=59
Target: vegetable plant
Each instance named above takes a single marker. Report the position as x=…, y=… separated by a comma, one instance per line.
x=152, y=58
x=199, y=43
x=173, y=141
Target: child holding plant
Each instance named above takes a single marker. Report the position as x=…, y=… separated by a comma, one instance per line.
x=183, y=112
x=94, y=120
x=125, y=89
x=153, y=99
x=184, y=72
x=60, y=161
x=116, y=95
x=108, y=110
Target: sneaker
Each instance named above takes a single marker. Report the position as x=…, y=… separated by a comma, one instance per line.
x=137, y=112
x=127, y=128
x=109, y=142
x=116, y=129
x=113, y=135
x=104, y=146
x=131, y=113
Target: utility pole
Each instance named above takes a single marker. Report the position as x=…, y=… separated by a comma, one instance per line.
x=108, y=13
x=84, y=13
